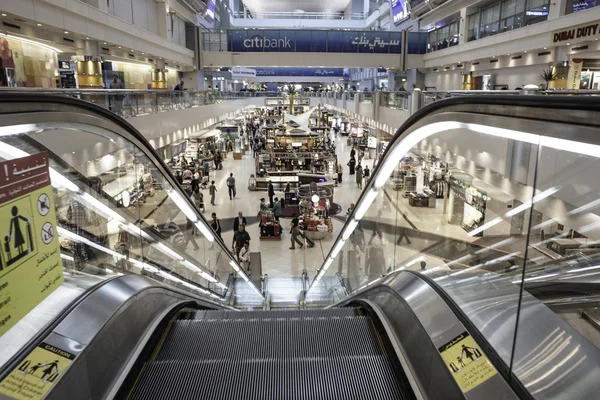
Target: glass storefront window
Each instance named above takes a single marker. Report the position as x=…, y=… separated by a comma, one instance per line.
x=473, y=33
x=443, y=37
x=537, y=11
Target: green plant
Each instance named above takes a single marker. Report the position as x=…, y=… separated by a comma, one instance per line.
x=547, y=76
x=292, y=92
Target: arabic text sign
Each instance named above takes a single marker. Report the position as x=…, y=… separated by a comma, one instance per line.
x=319, y=72
x=314, y=41
x=30, y=263
x=210, y=10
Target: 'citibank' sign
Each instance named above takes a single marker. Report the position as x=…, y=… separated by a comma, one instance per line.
x=259, y=42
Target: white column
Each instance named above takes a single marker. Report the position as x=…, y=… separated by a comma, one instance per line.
x=557, y=9
x=462, y=26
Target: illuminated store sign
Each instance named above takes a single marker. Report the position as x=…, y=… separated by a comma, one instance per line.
x=259, y=42
x=577, y=34
x=398, y=10
x=210, y=10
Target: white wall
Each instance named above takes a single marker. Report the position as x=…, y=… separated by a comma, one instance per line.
x=513, y=77
x=176, y=32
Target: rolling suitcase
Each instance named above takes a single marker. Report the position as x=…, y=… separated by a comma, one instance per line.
x=309, y=241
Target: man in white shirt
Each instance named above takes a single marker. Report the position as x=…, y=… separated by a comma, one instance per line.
x=245, y=256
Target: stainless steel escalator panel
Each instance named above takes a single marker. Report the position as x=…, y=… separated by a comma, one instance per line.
x=551, y=359
x=415, y=311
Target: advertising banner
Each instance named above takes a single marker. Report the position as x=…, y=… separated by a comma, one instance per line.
x=574, y=76
x=398, y=10
x=314, y=41
x=210, y=10
x=316, y=72
x=30, y=263
x=238, y=72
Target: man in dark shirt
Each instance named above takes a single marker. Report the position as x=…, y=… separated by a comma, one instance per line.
x=240, y=237
x=271, y=193
x=239, y=220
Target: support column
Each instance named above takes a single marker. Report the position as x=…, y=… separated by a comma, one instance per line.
x=557, y=9
x=164, y=20
x=414, y=79
x=416, y=101
x=344, y=99
x=376, y=103
x=462, y=26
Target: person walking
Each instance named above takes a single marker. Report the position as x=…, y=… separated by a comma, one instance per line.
x=294, y=232
x=359, y=176
x=352, y=164
x=240, y=237
x=212, y=190
x=216, y=224
x=271, y=193
x=352, y=152
x=231, y=186
x=244, y=256
x=366, y=174
x=340, y=171
x=277, y=209
x=198, y=198
x=189, y=234
x=263, y=206
x=239, y=220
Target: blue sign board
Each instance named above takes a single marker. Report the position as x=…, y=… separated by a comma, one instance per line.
x=399, y=10
x=311, y=41
x=580, y=5
x=316, y=72
x=210, y=10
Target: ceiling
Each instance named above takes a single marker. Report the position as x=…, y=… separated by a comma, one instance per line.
x=328, y=6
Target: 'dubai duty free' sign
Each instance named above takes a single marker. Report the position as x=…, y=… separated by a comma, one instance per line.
x=577, y=34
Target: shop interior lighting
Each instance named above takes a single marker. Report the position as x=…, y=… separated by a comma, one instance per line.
x=24, y=40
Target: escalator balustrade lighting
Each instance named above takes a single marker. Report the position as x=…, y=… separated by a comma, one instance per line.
x=167, y=251
x=190, y=214
x=17, y=129
x=338, y=247
x=349, y=229
x=365, y=204
x=199, y=271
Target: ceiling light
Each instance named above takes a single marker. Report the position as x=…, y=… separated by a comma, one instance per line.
x=568, y=44
x=87, y=38
x=67, y=32
x=4, y=15
x=104, y=42
x=39, y=24
x=143, y=53
x=119, y=46
x=525, y=51
x=31, y=42
x=545, y=48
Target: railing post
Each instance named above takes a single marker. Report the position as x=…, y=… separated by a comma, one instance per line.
x=344, y=99
x=376, y=102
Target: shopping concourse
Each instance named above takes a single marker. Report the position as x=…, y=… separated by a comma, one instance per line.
x=249, y=199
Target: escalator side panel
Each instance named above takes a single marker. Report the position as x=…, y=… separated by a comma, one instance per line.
x=422, y=322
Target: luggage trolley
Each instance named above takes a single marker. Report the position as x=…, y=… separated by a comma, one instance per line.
x=252, y=183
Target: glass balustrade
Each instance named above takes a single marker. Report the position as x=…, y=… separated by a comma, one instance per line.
x=495, y=200
x=118, y=208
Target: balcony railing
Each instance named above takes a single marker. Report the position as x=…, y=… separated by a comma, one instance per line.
x=299, y=15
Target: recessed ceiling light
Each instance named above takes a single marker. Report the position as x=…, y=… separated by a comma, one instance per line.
x=143, y=53
x=525, y=51
x=119, y=46
x=568, y=44
x=104, y=42
x=545, y=48
x=67, y=32
x=4, y=15
x=87, y=38
x=508, y=54
x=39, y=24
x=131, y=50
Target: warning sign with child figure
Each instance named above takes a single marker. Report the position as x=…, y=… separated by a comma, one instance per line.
x=30, y=263
x=467, y=363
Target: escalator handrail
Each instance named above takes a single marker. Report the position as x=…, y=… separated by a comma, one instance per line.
x=563, y=102
x=127, y=127
x=37, y=339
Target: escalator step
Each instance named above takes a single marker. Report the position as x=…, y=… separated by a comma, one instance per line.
x=333, y=312
x=367, y=377
x=269, y=339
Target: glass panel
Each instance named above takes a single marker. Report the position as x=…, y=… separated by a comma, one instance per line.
x=334, y=41
x=319, y=41
x=303, y=41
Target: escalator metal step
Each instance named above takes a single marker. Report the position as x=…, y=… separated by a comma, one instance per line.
x=269, y=339
x=329, y=313
x=365, y=377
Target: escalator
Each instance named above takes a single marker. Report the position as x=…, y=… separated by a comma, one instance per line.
x=158, y=322
x=321, y=354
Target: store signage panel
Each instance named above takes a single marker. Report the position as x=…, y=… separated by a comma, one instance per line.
x=583, y=5
x=317, y=72
x=314, y=41
x=243, y=72
x=398, y=10
x=210, y=10
x=576, y=34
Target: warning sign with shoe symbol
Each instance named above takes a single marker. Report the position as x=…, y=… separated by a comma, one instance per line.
x=467, y=363
x=35, y=376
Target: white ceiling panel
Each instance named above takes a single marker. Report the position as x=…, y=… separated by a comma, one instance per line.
x=327, y=6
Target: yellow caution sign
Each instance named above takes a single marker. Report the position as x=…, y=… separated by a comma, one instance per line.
x=466, y=362
x=30, y=263
x=36, y=375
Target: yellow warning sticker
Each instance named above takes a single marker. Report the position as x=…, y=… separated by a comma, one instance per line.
x=36, y=375
x=467, y=363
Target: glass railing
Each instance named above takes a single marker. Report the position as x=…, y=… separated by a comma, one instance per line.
x=298, y=15
x=494, y=198
x=118, y=209
x=399, y=100
x=133, y=103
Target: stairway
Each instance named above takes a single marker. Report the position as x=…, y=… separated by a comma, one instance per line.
x=288, y=354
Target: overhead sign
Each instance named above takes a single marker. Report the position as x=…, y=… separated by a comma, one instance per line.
x=466, y=362
x=399, y=10
x=37, y=374
x=577, y=34
x=210, y=10
x=583, y=5
x=314, y=41
x=30, y=263
x=238, y=72
x=316, y=72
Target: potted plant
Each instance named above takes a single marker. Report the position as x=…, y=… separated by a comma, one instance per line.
x=291, y=93
x=547, y=76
